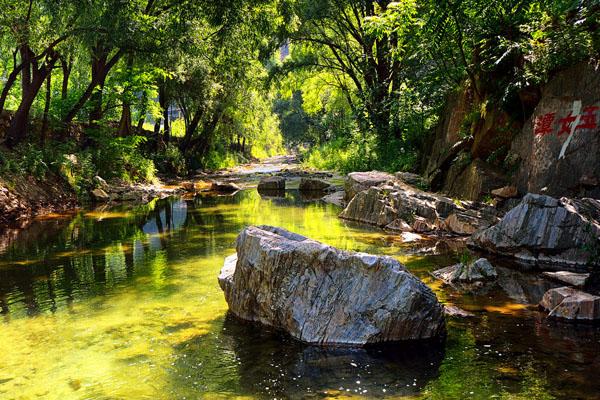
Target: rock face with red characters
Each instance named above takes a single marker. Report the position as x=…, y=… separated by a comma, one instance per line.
x=558, y=150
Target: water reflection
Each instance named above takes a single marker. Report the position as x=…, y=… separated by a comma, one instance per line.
x=271, y=365
x=128, y=301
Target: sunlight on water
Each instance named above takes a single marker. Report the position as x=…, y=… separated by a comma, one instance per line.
x=124, y=303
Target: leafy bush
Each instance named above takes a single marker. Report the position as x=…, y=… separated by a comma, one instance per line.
x=120, y=157
x=219, y=159
x=362, y=154
x=170, y=160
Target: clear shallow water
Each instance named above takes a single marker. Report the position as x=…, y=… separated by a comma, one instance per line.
x=125, y=304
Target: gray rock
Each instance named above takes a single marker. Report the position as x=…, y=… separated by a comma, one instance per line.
x=356, y=182
x=453, y=311
x=411, y=179
x=569, y=278
x=272, y=183
x=478, y=271
x=544, y=230
x=540, y=170
x=322, y=295
x=467, y=222
x=393, y=207
x=100, y=195
x=336, y=198
x=313, y=185
x=571, y=304
x=224, y=187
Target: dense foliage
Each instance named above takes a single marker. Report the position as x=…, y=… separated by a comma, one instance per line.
x=371, y=77
x=131, y=86
x=181, y=85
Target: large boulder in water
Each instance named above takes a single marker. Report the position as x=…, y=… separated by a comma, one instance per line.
x=313, y=185
x=356, y=182
x=398, y=207
x=271, y=183
x=323, y=295
x=571, y=304
x=547, y=231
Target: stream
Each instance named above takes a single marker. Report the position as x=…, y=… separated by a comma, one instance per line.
x=123, y=303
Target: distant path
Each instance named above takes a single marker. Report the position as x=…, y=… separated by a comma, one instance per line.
x=266, y=166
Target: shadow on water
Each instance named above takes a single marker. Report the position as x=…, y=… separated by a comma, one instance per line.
x=270, y=364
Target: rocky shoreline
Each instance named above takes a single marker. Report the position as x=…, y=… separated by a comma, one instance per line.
x=547, y=233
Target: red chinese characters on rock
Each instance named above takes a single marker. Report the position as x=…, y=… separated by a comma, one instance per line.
x=565, y=124
x=544, y=124
x=589, y=118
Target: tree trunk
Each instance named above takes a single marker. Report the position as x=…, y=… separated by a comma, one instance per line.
x=140, y=124
x=100, y=70
x=10, y=81
x=44, y=132
x=67, y=67
x=125, y=125
x=164, y=104
x=33, y=77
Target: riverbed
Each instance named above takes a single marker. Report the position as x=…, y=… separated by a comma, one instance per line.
x=123, y=303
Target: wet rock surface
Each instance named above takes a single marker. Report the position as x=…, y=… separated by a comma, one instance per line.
x=571, y=304
x=546, y=231
x=322, y=295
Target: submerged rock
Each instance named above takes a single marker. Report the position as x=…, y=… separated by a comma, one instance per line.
x=272, y=183
x=478, y=271
x=336, y=198
x=542, y=229
x=323, y=295
x=572, y=304
x=313, y=185
x=356, y=182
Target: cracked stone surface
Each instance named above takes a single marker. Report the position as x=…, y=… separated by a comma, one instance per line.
x=396, y=206
x=545, y=230
x=326, y=296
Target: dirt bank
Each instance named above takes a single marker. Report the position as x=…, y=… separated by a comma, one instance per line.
x=22, y=198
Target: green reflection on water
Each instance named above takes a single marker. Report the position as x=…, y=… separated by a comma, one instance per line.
x=124, y=303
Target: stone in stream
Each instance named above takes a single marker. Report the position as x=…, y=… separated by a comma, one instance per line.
x=271, y=183
x=478, y=271
x=326, y=296
x=568, y=278
x=224, y=187
x=454, y=311
x=548, y=231
x=313, y=185
x=395, y=206
x=336, y=198
x=356, y=182
x=572, y=304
